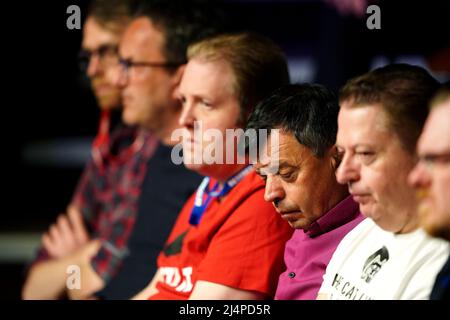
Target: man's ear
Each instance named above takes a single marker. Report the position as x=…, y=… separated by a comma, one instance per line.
x=178, y=74
x=176, y=79
x=335, y=157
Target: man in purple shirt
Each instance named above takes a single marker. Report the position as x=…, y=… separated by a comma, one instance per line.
x=298, y=163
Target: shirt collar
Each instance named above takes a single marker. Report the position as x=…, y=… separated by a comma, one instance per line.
x=344, y=212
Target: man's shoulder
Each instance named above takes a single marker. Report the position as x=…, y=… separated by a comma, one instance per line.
x=250, y=184
x=431, y=245
x=363, y=229
x=248, y=196
x=365, y=233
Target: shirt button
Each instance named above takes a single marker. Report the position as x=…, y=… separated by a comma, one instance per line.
x=291, y=275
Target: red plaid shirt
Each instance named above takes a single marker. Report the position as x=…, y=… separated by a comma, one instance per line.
x=108, y=193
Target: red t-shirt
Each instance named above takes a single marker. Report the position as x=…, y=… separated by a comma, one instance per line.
x=239, y=243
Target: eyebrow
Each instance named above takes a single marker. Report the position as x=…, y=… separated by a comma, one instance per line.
x=106, y=45
x=284, y=164
x=433, y=154
x=281, y=165
x=357, y=145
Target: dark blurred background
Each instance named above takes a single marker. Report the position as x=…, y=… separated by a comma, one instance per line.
x=50, y=117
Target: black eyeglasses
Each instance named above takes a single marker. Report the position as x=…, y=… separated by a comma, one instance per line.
x=108, y=56
x=127, y=64
x=431, y=160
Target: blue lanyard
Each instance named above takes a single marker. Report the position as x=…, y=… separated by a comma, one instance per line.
x=200, y=205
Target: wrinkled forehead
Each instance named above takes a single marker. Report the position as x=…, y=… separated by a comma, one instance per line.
x=281, y=148
x=362, y=124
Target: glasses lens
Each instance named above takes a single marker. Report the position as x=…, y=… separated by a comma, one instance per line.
x=108, y=55
x=83, y=60
x=124, y=65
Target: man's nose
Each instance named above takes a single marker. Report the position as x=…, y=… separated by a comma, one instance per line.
x=419, y=177
x=94, y=66
x=348, y=170
x=274, y=191
x=187, y=118
x=117, y=76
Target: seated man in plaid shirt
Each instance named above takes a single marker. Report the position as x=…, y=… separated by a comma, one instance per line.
x=109, y=229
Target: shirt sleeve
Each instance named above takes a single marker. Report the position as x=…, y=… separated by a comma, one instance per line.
x=84, y=195
x=83, y=199
x=247, y=251
x=114, y=248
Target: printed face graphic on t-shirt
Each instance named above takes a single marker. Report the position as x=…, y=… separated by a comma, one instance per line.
x=374, y=263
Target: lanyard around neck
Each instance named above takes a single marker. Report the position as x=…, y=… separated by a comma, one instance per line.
x=101, y=147
x=200, y=205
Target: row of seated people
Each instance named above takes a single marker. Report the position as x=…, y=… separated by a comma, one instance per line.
x=323, y=196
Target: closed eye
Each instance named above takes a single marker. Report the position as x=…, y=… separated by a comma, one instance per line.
x=206, y=103
x=263, y=176
x=366, y=156
x=286, y=176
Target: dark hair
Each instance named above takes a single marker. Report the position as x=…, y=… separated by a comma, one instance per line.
x=258, y=64
x=112, y=15
x=182, y=22
x=308, y=111
x=402, y=91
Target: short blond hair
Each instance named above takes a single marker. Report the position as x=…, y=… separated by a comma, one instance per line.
x=442, y=95
x=258, y=64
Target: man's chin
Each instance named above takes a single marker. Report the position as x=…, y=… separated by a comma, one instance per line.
x=298, y=224
x=199, y=168
x=367, y=211
x=192, y=159
x=431, y=223
x=294, y=225
x=108, y=104
x=129, y=118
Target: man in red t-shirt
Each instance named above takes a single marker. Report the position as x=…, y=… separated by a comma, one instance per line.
x=227, y=242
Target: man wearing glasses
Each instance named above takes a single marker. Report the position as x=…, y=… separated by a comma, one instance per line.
x=431, y=177
x=152, y=56
x=111, y=231
x=71, y=240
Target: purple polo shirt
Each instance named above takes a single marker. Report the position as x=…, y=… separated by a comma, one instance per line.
x=307, y=253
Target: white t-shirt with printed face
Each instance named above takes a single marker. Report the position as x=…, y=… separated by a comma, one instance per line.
x=371, y=263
